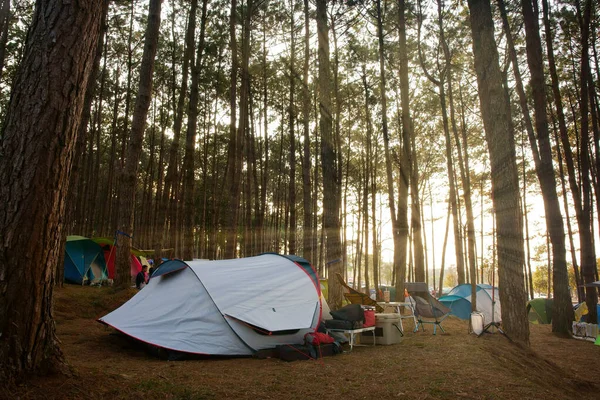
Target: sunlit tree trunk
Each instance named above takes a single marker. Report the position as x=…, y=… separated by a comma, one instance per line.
x=505, y=184
x=562, y=314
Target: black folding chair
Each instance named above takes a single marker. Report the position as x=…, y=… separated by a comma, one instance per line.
x=426, y=306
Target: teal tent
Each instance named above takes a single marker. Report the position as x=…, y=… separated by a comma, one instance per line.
x=84, y=261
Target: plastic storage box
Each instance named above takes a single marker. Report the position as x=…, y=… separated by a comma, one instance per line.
x=387, y=330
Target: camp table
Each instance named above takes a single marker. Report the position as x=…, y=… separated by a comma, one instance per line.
x=353, y=332
x=397, y=305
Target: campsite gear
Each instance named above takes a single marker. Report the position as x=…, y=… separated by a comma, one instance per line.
x=539, y=311
x=342, y=324
x=459, y=301
x=494, y=323
x=477, y=322
x=351, y=312
x=426, y=306
x=298, y=352
x=356, y=297
x=84, y=261
x=580, y=311
x=369, y=318
x=387, y=330
x=386, y=296
x=224, y=307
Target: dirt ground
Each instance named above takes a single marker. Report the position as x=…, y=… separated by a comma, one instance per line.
x=454, y=365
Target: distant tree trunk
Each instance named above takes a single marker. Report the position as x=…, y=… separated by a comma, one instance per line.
x=292, y=123
x=49, y=92
x=409, y=166
x=189, y=169
x=307, y=240
x=331, y=215
x=505, y=183
x=234, y=150
x=562, y=314
x=443, y=266
x=129, y=175
x=578, y=281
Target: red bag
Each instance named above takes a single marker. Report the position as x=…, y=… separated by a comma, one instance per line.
x=317, y=338
x=369, y=318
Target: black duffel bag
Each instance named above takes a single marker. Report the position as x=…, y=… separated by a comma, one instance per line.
x=341, y=324
x=351, y=312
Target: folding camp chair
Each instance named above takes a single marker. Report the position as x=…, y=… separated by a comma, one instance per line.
x=355, y=297
x=426, y=306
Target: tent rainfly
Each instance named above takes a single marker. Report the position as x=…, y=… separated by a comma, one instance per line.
x=539, y=311
x=459, y=302
x=224, y=307
x=84, y=261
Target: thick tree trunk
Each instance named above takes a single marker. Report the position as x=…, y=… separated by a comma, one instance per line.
x=505, y=184
x=35, y=169
x=331, y=214
x=129, y=176
x=588, y=257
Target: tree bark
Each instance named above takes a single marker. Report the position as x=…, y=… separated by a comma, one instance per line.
x=563, y=310
x=35, y=169
x=129, y=176
x=331, y=217
x=189, y=209
x=292, y=123
x=307, y=240
x=505, y=184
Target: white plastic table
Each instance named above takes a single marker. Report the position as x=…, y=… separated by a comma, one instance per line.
x=353, y=332
x=397, y=306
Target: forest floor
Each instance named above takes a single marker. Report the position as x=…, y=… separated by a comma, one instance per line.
x=454, y=365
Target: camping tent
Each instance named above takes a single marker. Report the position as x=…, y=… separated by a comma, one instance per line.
x=84, y=261
x=110, y=254
x=459, y=301
x=224, y=307
x=539, y=311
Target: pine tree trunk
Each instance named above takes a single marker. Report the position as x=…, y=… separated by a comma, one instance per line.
x=505, y=183
x=562, y=314
x=35, y=169
x=588, y=257
x=331, y=218
x=307, y=240
x=129, y=175
x=189, y=209
x=292, y=123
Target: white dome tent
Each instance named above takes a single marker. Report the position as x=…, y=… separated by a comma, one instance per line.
x=225, y=307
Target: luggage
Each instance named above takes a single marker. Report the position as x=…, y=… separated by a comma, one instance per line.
x=295, y=352
x=342, y=324
x=351, y=312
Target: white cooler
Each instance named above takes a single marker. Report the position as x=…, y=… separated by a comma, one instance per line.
x=387, y=330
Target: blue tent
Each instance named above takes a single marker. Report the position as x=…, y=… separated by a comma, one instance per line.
x=459, y=301
x=84, y=261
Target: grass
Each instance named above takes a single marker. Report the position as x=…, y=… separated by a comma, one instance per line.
x=454, y=365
